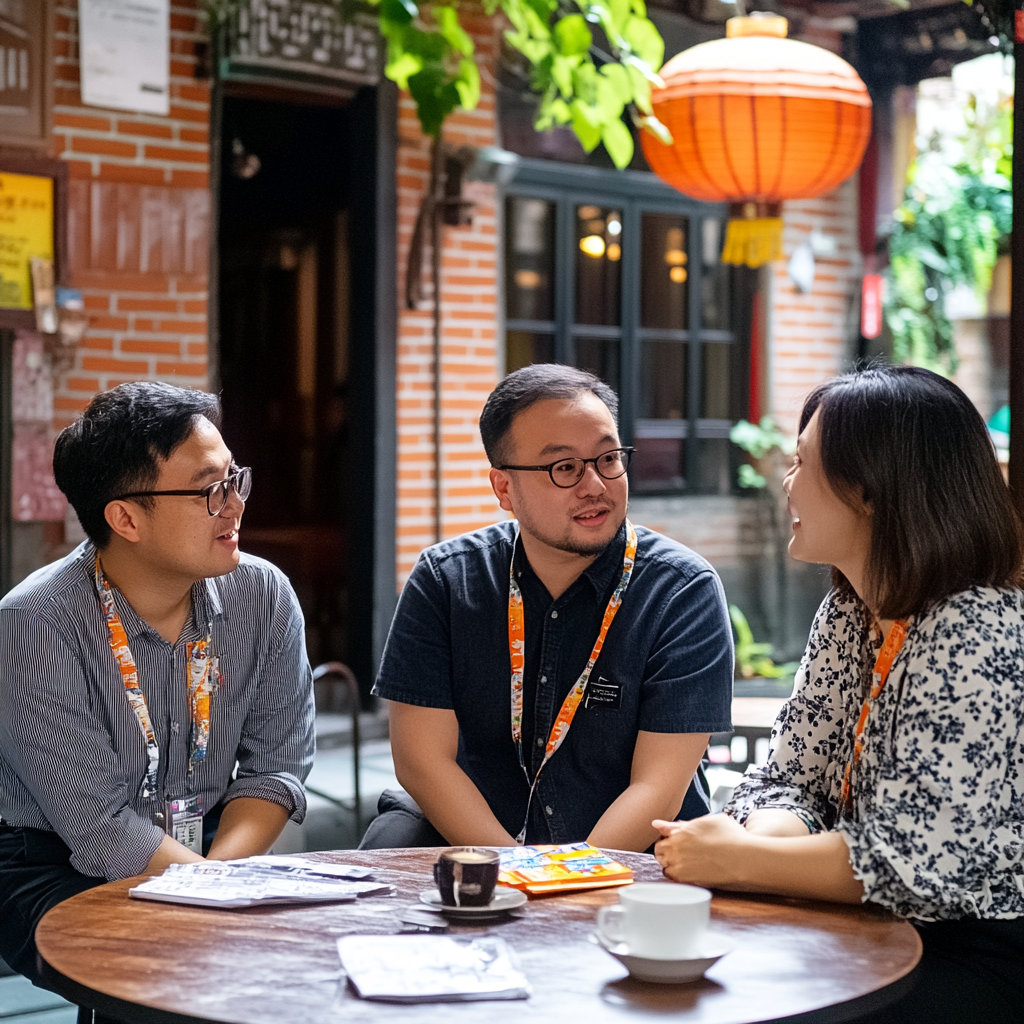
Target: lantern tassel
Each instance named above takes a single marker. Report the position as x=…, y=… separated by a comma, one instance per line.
x=752, y=243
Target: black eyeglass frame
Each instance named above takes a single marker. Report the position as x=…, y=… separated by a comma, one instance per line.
x=627, y=454
x=233, y=481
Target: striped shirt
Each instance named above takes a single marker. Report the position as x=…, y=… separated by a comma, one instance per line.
x=72, y=755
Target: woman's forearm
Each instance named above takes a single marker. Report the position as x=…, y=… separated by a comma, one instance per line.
x=814, y=867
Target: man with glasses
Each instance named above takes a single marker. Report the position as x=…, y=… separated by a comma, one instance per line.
x=553, y=678
x=155, y=696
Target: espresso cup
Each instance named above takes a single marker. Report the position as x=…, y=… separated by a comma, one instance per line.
x=659, y=921
x=466, y=876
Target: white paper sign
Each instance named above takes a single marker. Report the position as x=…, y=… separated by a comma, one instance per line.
x=125, y=54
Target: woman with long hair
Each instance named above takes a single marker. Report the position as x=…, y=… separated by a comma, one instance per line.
x=896, y=772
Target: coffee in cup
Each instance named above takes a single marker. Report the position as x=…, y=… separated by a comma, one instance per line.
x=466, y=876
x=660, y=921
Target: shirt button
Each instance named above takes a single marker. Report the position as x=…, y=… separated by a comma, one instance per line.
x=543, y=679
x=540, y=741
x=549, y=810
x=554, y=615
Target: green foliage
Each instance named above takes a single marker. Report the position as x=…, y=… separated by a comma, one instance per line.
x=953, y=224
x=758, y=440
x=754, y=659
x=431, y=56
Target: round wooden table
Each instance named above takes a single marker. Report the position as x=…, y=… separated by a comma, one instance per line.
x=166, y=964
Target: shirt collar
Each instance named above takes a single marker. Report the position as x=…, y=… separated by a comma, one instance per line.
x=601, y=573
x=206, y=602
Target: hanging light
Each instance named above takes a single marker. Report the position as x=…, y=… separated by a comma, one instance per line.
x=756, y=119
x=592, y=245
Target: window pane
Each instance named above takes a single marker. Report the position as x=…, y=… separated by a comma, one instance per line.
x=716, y=280
x=663, y=271
x=658, y=464
x=663, y=380
x=598, y=266
x=525, y=347
x=529, y=259
x=716, y=472
x=716, y=359
x=599, y=356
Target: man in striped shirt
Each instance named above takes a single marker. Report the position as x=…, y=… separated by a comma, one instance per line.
x=153, y=675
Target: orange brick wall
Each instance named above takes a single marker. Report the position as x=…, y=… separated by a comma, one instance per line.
x=810, y=333
x=470, y=345
x=138, y=222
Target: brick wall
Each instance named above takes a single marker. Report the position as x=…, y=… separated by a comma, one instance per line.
x=469, y=351
x=138, y=222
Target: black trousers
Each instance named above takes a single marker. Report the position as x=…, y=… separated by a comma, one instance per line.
x=971, y=972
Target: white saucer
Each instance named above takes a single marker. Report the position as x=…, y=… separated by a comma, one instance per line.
x=669, y=972
x=504, y=899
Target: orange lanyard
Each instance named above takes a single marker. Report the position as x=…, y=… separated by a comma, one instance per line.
x=517, y=655
x=883, y=665
x=203, y=679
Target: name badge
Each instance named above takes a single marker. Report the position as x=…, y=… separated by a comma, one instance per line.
x=184, y=822
x=604, y=694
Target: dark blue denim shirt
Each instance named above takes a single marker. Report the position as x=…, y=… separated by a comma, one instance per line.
x=666, y=666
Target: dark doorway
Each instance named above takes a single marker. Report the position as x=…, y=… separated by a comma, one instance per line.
x=297, y=392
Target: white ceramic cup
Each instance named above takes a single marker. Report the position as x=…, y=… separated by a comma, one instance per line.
x=659, y=921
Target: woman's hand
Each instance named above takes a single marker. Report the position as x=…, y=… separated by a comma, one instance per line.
x=707, y=851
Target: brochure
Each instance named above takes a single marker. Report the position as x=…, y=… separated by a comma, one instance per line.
x=539, y=870
x=431, y=968
x=227, y=885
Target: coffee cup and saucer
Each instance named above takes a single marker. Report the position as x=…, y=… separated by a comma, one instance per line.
x=658, y=932
x=467, y=885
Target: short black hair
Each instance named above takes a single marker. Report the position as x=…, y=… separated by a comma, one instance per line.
x=532, y=384
x=115, y=447
x=912, y=445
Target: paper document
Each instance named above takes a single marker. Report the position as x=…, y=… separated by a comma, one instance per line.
x=431, y=968
x=230, y=884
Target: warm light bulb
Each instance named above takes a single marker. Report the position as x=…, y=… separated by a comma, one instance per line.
x=675, y=257
x=588, y=212
x=678, y=274
x=592, y=245
x=614, y=252
x=528, y=279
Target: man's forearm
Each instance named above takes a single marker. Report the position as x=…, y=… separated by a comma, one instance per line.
x=453, y=804
x=626, y=825
x=248, y=827
x=169, y=852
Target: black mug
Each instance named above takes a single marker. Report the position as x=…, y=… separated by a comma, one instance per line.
x=466, y=876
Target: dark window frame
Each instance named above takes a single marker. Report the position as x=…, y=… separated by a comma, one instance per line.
x=634, y=193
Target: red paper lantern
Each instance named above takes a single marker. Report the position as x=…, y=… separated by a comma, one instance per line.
x=756, y=119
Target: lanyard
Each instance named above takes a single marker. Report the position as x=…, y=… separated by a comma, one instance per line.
x=883, y=664
x=517, y=654
x=203, y=679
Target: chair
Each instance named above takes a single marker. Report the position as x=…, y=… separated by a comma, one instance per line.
x=335, y=691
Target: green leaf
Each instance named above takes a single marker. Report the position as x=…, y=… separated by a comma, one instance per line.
x=402, y=68
x=619, y=12
x=453, y=33
x=560, y=111
x=609, y=103
x=618, y=77
x=561, y=72
x=468, y=84
x=399, y=11
x=572, y=35
x=583, y=125
x=619, y=143
x=645, y=41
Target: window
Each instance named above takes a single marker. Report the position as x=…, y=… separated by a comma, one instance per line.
x=632, y=288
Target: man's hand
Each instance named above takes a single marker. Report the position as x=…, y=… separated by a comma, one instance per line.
x=169, y=852
x=662, y=769
x=425, y=743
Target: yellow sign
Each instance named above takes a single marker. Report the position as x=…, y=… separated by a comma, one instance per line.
x=26, y=229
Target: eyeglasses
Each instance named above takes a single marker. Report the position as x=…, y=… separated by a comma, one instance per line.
x=238, y=480
x=569, y=472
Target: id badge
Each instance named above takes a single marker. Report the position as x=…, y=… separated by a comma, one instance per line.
x=185, y=822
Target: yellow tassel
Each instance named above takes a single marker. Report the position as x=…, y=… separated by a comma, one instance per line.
x=753, y=242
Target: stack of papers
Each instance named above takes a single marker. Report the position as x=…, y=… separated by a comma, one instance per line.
x=430, y=968
x=547, y=869
x=253, y=882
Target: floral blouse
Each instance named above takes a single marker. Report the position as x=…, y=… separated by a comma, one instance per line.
x=937, y=829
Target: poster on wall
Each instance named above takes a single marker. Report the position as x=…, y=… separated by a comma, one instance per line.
x=26, y=230
x=125, y=54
